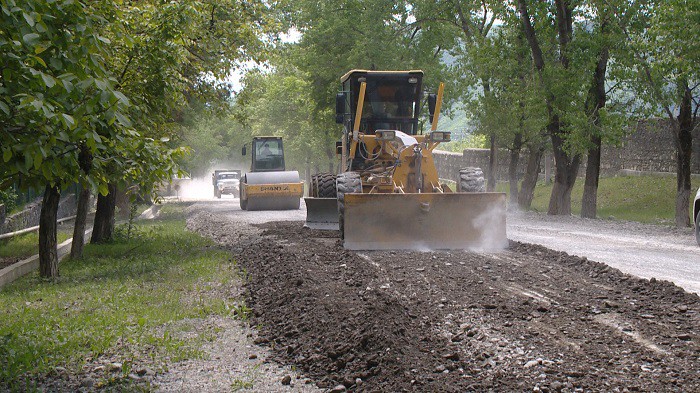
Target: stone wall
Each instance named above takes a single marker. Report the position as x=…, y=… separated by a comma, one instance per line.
x=448, y=164
x=650, y=148
x=29, y=217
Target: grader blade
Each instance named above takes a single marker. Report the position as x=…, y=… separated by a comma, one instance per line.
x=452, y=221
x=321, y=213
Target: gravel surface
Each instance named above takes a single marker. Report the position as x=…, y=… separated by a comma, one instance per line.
x=526, y=319
x=649, y=251
x=233, y=361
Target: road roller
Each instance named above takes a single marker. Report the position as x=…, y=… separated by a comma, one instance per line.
x=268, y=186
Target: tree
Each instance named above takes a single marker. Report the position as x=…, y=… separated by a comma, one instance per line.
x=560, y=36
x=55, y=95
x=343, y=35
x=471, y=22
x=665, y=57
x=513, y=111
x=214, y=139
x=168, y=57
x=280, y=103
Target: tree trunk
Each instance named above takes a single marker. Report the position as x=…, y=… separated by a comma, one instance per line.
x=566, y=166
x=491, y=177
x=683, y=136
x=565, y=173
x=76, y=249
x=513, y=169
x=103, y=228
x=589, y=202
x=597, y=100
x=48, y=253
x=527, y=190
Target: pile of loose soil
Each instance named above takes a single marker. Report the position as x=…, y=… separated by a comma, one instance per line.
x=525, y=319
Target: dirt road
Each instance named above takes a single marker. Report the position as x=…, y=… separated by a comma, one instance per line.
x=526, y=319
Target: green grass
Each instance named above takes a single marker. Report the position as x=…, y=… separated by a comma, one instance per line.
x=129, y=299
x=647, y=199
x=26, y=245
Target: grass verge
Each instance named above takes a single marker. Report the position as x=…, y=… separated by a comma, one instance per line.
x=130, y=302
x=648, y=199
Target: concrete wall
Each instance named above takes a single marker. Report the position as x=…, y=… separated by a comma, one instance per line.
x=649, y=148
x=29, y=217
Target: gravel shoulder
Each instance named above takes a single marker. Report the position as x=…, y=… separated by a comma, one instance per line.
x=234, y=360
x=643, y=250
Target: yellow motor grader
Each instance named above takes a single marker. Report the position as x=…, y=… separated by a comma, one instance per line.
x=388, y=194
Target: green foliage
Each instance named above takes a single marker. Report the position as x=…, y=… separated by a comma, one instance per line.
x=8, y=198
x=280, y=103
x=122, y=300
x=55, y=91
x=295, y=99
x=470, y=141
x=213, y=139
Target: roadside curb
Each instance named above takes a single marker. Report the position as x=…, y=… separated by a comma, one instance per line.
x=26, y=266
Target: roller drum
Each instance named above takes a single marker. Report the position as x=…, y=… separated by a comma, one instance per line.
x=274, y=201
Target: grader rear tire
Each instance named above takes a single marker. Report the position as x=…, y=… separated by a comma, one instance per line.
x=471, y=179
x=323, y=185
x=346, y=183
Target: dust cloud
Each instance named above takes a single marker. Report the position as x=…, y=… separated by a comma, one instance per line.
x=199, y=188
x=492, y=224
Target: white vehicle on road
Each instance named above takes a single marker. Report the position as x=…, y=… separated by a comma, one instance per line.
x=226, y=182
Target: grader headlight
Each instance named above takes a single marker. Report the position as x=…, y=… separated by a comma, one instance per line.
x=385, y=135
x=440, y=136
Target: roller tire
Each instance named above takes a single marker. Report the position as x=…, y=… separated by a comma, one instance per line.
x=346, y=183
x=471, y=179
x=323, y=185
x=243, y=202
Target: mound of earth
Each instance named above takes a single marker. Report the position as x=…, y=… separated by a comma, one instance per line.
x=525, y=319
